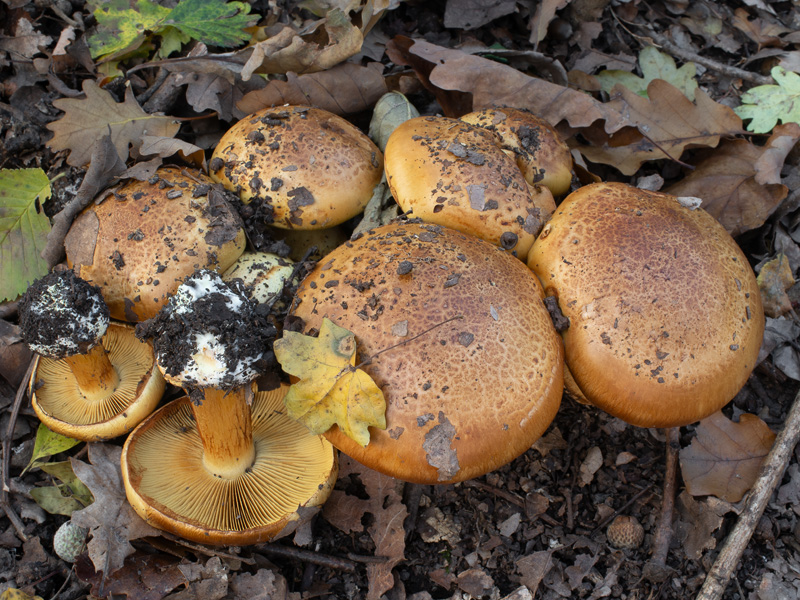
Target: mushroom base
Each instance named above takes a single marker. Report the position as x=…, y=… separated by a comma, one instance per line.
x=168, y=486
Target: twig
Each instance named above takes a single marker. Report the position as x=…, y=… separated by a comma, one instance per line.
x=656, y=568
x=686, y=55
x=771, y=474
x=200, y=549
x=12, y=423
x=317, y=558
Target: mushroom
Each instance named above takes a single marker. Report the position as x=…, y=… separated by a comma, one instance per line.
x=92, y=379
x=216, y=469
x=142, y=241
x=312, y=168
x=541, y=154
x=665, y=313
x=451, y=173
x=454, y=332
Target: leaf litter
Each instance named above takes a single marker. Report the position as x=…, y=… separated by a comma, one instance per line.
x=528, y=527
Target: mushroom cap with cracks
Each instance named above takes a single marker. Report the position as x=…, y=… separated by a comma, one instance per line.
x=665, y=314
x=455, y=333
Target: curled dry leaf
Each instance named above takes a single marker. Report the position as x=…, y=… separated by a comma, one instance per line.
x=390, y=111
x=774, y=280
x=169, y=146
x=88, y=119
x=725, y=457
x=591, y=464
x=110, y=519
x=739, y=182
x=697, y=521
x=344, y=89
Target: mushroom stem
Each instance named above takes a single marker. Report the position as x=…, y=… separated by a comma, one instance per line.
x=96, y=376
x=226, y=430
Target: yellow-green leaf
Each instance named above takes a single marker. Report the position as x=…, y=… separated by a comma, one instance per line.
x=23, y=229
x=331, y=389
x=47, y=444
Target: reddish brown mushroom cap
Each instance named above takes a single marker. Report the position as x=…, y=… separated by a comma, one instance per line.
x=665, y=314
x=455, y=174
x=483, y=379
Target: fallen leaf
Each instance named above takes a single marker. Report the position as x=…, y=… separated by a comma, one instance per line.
x=584, y=563
x=23, y=229
x=264, y=584
x=765, y=105
x=47, y=444
x=391, y=110
x=726, y=180
x=789, y=493
x=544, y=14
x=169, y=146
x=697, y=521
x=325, y=43
x=533, y=567
x=654, y=65
x=590, y=465
x=471, y=14
x=88, y=119
x=475, y=582
x=15, y=594
x=143, y=577
x=15, y=356
x=724, y=459
x=668, y=123
x=761, y=31
x=331, y=389
x=774, y=279
x=65, y=498
x=550, y=441
x=26, y=41
x=111, y=520
x=205, y=581
x=388, y=513
x=344, y=89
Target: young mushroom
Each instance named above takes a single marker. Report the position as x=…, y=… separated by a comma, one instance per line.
x=310, y=168
x=92, y=379
x=454, y=332
x=451, y=173
x=224, y=467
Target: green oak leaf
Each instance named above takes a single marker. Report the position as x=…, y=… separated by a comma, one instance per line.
x=765, y=105
x=654, y=65
x=23, y=229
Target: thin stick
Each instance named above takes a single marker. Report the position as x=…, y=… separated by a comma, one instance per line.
x=4, y=488
x=316, y=558
x=656, y=568
x=207, y=551
x=771, y=474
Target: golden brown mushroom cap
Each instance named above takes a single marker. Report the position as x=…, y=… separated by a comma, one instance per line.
x=454, y=174
x=313, y=167
x=141, y=243
x=541, y=154
x=483, y=379
x=64, y=408
x=665, y=314
x=169, y=487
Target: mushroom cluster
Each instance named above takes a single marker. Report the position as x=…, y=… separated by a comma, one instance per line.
x=223, y=466
x=92, y=379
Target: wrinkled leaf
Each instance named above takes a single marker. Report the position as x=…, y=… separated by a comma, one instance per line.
x=122, y=29
x=143, y=577
x=774, y=279
x=331, y=390
x=765, y=105
x=65, y=498
x=392, y=110
x=654, y=65
x=23, y=229
x=697, y=522
x=168, y=146
x=110, y=519
x=727, y=179
x=47, y=444
x=725, y=457
x=88, y=119
x=344, y=89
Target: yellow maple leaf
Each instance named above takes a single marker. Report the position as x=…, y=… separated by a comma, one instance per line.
x=331, y=390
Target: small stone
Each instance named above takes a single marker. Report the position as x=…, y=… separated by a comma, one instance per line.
x=70, y=541
x=625, y=532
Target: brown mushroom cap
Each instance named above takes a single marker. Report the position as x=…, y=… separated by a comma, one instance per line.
x=141, y=243
x=455, y=174
x=61, y=405
x=169, y=486
x=477, y=377
x=665, y=314
x=541, y=154
x=314, y=168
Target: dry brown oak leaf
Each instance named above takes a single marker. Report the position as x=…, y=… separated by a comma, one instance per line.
x=696, y=523
x=724, y=458
x=739, y=182
x=388, y=511
x=110, y=519
x=88, y=119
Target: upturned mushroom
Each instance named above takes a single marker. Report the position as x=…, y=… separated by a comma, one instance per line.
x=310, y=168
x=92, y=379
x=224, y=467
x=541, y=154
x=141, y=242
x=665, y=312
x=449, y=172
x=454, y=332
